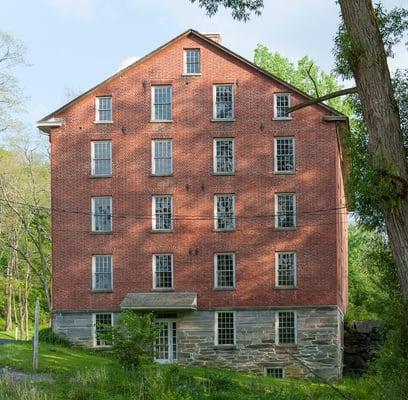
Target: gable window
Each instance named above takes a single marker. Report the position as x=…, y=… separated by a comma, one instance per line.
x=161, y=103
x=104, y=109
x=162, y=213
x=102, y=214
x=224, y=270
x=101, y=158
x=223, y=102
x=286, y=327
x=102, y=272
x=225, y=212
x=285, y=210
x=224, y=156
x=100, y=328
x=162, y=157
x=225, y=328
x=285, y=154
x=162, y=271
x=286, y=269
x=274, y=372
x=282, y=104
x=192, y=62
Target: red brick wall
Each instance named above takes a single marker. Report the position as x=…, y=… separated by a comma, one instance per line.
x=193, y=186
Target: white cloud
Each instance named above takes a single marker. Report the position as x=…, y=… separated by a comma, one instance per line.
x=127, y=61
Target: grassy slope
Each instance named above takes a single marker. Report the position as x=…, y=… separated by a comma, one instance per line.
x=84, y=374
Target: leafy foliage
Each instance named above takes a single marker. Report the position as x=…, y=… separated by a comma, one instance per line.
x=46, y=335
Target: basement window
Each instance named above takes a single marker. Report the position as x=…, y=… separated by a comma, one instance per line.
x=274, y=372
x=225, y=328
x=100, y=325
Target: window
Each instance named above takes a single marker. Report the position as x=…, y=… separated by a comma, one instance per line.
x=224, y=156
x=162, y=271
x=161, y=107
x=192, y=61
x=225, y=328
x=285, y=269
x=286, y=327
x=223, y=102
x=100, y=328
x=285, y=154
x=285, y=210
x=162, y=213
x=101, y=214
x=104, y=109
x=102, y=158
x=274, y=372
x=224, y=270
x=282, y=104
x=162, y=162
x=225, y=212
x=102, y=272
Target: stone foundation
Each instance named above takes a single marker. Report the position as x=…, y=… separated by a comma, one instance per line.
x=318, y=348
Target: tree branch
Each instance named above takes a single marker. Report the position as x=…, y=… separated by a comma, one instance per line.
x=329, y=96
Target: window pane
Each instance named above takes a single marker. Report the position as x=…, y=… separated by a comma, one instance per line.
x=101, y=320
x=102, y=158
x=285, y=155
x=192, y=61
x=104, y=108
x=163, y=213
x=286, y=327
x=225, y=330
x=162, y=154
x=286, y=269
x=224, y=156
x=225, y=218
x=282, y=105
x=102, y=214
x=163, y=271
x=162, y=103
x=225, y=270
x=285, y=211
x=223, y=102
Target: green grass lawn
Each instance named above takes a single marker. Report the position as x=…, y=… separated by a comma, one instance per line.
x=85, y=374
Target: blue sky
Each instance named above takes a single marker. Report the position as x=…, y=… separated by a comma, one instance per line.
x=74, y=44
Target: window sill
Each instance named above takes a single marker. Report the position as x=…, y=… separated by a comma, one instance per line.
x=225, y=347
x=223, y=173
x=224, y=230
x=284, y=346
x=223, y=289
x=223, y=120
x=161, y=175
x=101, y=233
x=293, y=228
x=103, y=122
x=102, y=290
x=162, y=230
x=159, y=121
x=284, y=172
x=282, y=119
x=285, y=287
x=195, y=74
x=162, y=290
x=100, y=176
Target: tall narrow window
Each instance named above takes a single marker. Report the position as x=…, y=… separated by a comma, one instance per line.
x=282, y=105
x=192, y=61
x=286, y=327
x=104, y=109
x=102, y=158
x=102, y=272
x=224, y=270
x=224, y=156
x=285, y=210
x=223, y=102
x=161, y=103
x=225, y=212
x=100, y=325
x=285, y=154
x=162, y=271
x=225, y=328
x=102, y=214
x=162, y=213
x=285, y=269
x=162, y=157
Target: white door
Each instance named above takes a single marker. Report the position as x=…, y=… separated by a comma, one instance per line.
x=166, y=344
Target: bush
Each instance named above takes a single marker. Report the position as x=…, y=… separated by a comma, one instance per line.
x=46, y=335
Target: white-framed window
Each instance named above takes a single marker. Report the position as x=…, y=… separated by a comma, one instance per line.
x=100, y=323
x=102, y=214
x=285, y=270
x=286, y=327
x=162, y=103
x=162, y=271
x=224, y=269
x=223, y=156
x=285, y=154
x=224, y=328
x=102, y=276
x=223, y=102
x=285, y=210
x=275, y=372
x=192, y=61
x=103, y=106
x=162, y=157
x=224, y=210
x=162, y=208
x=282, y=103
x=101, y=153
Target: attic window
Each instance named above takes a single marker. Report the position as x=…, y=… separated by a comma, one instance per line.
x=281, y=106
x=103, y=109
x=192, y=61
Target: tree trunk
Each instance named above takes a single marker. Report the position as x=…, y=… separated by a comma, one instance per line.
x=9, y=296
x=368, y=61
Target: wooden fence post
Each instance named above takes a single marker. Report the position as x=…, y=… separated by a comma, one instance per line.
x=35, y=337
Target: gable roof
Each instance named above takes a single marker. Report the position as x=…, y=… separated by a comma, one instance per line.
x=49, y=120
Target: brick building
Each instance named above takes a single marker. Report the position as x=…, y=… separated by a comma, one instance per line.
x=182, y=186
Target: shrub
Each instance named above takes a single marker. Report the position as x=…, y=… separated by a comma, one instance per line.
x=46, y=335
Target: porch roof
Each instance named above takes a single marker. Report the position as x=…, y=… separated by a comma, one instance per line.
x=160, y=301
